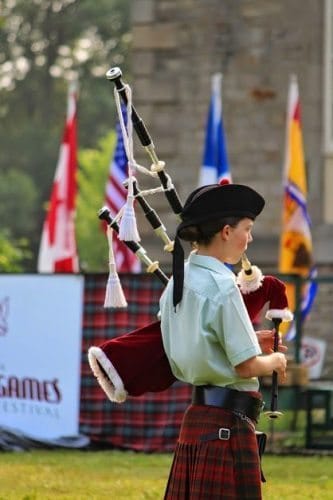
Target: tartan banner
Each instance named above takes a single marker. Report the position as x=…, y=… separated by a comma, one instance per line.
x=146, y=423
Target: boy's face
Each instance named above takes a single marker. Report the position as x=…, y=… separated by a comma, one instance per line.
x=238, y=238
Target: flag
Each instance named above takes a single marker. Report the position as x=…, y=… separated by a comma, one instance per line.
x=58, y=251
x=115, y=199
x=215, y=166
x=296, y=252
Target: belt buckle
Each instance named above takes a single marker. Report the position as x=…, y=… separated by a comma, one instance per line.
x=224, y=434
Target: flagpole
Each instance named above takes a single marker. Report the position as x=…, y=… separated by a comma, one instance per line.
x=298, y=318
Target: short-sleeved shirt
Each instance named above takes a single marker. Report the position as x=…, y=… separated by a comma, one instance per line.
x=210, y=331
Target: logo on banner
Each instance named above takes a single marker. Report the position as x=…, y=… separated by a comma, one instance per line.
x=29, y=396
x=4, y=312
x=311, y=354
x=30, y=388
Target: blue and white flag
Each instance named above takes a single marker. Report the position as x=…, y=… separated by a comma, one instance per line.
x=215, y=167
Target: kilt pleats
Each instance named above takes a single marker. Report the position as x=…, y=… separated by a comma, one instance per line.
x=214, y=469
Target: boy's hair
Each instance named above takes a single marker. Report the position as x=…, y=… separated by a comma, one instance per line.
x=203, y=233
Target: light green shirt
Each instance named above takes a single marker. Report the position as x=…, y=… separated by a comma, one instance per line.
x=211, y=332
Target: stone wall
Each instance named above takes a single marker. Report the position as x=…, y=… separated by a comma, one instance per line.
x=177, y=46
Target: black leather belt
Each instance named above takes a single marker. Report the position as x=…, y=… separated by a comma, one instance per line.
x=229, y=399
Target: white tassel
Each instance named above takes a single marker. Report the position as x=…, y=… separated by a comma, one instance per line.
x=114, y=295
x=128, y=230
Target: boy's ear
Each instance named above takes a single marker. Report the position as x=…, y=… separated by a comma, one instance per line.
x=225, y=232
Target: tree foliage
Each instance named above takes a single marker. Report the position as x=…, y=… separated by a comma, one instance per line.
x=44, y=44
x=13, y=254
x=94, y=169
x=18, y=195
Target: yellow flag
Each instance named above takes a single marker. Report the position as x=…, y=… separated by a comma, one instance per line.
x=295, y=242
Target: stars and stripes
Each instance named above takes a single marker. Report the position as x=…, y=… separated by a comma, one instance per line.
x=115, y=199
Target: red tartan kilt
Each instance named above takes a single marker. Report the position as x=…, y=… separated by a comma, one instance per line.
x=214, y=469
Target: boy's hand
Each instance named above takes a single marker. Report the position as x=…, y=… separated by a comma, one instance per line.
x=266, y=341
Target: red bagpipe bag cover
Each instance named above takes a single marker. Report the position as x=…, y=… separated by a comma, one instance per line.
x=135, y=363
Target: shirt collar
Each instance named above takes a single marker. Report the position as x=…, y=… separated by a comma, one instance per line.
x=210, y=263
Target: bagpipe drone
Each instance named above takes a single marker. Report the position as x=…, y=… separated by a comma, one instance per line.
x=135, y=363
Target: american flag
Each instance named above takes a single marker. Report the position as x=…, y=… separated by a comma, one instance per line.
x=115, y=199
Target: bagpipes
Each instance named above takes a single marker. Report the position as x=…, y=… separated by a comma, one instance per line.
x=135, y=363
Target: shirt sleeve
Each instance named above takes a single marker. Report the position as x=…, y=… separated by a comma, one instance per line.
x=236, y=331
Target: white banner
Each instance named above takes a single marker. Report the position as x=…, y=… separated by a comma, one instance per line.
x=40, y=353
x=312, y=355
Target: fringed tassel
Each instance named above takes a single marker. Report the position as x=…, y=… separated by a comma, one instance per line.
x=114, y=295
x=250, y=278
x=128, y=230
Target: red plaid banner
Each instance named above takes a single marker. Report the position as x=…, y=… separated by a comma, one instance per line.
x=146, y=423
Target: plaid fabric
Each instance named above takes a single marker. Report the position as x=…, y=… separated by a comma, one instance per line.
x=217, y=468
x=147, y=423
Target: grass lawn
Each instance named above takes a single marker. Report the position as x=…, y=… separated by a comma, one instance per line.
x=98, y=475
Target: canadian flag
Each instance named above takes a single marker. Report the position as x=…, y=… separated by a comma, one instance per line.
x=58, y=251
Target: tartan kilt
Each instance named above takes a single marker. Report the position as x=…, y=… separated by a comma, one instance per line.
x=215, y=469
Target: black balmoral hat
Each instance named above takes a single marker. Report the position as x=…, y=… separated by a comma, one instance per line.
x=209, y=203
